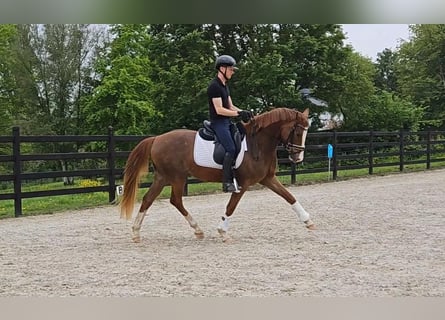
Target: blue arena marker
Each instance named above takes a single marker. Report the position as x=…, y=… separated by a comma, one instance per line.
x=330, y=151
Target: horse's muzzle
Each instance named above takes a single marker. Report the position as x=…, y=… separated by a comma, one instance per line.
x=296, y=152
x=297, y=157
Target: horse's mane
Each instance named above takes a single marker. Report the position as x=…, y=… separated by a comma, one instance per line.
x=276, y=115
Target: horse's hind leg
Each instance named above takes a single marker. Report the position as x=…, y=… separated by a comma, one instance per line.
x=176, y=200
x=147, y=201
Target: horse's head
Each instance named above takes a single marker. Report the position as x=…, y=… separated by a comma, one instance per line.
x=294, y=135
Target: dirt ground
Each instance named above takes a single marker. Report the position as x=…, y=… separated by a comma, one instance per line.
x=376, y=237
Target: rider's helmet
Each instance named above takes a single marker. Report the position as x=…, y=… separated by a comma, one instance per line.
x=225, y=61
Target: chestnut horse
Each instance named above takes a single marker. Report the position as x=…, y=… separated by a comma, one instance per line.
x=172, y=156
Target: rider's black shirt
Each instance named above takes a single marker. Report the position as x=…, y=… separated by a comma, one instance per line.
x=217, y=89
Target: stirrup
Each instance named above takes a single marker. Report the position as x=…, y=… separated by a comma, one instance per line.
x=231, y=187
x=237, y=187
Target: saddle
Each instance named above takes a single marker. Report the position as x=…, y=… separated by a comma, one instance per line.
x=238, y=134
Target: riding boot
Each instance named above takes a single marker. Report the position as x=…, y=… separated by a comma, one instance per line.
x=228, y=185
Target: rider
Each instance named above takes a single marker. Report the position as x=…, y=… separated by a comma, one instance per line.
x=221, y=109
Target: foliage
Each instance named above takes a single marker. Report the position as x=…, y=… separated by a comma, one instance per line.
x=182, y=66
x=386, y=78
x=148, y=79
x=7, y=37
x=122, y=97
x=421, y=71
x=388, y=112
x=50, y=65
x=358, y=73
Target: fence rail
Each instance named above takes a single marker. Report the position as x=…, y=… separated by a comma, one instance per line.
x=351, y=150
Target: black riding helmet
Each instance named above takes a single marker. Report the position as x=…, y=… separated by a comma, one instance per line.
x=225, y=61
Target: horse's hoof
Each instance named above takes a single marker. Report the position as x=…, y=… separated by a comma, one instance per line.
x=224, y=236
x=136, y=239
x=199, y=235
x=227, y=240
x=311, y=227
x=222, y=233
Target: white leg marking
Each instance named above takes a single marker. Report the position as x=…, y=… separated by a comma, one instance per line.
x=302, y=214
x=198, y=232
x=137, y=226
x=224, y=224
x=191, y=221
x=223, y=227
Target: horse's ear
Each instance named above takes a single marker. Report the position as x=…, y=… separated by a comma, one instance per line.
x=306, y=112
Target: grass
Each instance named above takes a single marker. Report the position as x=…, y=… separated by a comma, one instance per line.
x=50, y=205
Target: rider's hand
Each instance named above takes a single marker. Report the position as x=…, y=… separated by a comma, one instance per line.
x=245, y=115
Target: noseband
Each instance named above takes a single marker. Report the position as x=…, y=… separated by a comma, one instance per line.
x=292, y=148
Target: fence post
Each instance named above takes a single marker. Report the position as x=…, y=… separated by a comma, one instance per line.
x=186, y=187
x=428, y=149
x=402, y=151
x=371, y=152
x=111, y=164
x=17, y=170
x=293, y=173
x=334, y=156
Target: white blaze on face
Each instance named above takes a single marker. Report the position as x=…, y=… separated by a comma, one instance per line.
x=303, y=144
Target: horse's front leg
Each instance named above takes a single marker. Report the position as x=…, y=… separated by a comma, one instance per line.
x=223, y=226
x=275, y=185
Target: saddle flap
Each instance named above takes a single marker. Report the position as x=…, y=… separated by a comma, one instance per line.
x=237, y=131
x=204, y=150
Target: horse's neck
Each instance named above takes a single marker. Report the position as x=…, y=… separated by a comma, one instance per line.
x=264, y=141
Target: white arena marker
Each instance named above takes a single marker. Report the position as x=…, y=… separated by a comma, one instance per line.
x=120, y=190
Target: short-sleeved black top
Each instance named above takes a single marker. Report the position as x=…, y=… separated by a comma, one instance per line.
x=217, y=89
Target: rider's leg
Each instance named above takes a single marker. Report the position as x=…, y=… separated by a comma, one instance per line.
x=222, y=130
x=228, y=185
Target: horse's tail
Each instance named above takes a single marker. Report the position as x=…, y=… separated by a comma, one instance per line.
x=136, y=166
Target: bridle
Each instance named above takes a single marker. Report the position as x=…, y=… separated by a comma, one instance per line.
x=292, y=148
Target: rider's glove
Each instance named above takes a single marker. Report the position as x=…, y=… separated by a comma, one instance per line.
x=245, y=115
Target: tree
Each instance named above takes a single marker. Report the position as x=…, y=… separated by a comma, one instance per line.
x=388, y=112
x=51, y=63
x=278, y=60
x=354, y=90
x=421, y=71
x=8, y=35
x=182, y=65
x=123, y=97
x=48, y=68
x=386, y=78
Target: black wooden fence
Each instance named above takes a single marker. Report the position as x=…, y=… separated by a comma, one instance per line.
x=351, y=150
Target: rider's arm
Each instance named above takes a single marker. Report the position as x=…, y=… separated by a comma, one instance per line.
x=232, y=112
x=232, y=106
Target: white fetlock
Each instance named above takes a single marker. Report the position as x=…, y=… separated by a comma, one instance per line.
x=198, y=232
x=136, y=236
x=223, y=226
x=302, y=214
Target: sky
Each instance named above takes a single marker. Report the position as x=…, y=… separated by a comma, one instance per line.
x=370, y=39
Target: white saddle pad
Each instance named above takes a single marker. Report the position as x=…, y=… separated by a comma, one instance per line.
x=203, y=153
